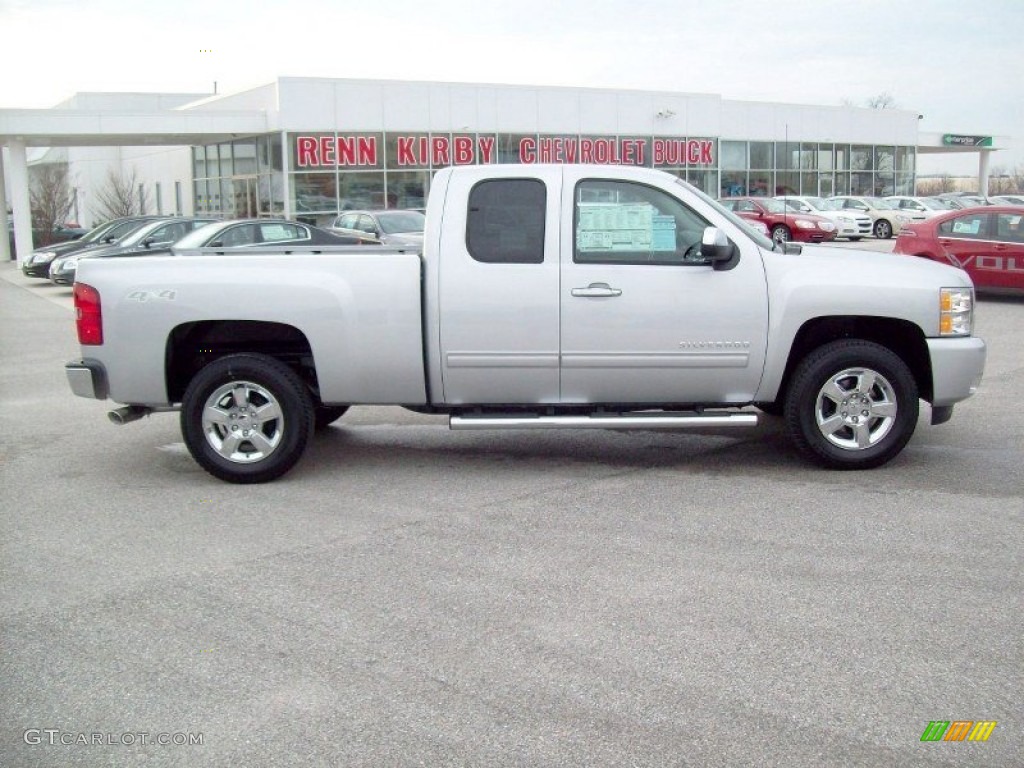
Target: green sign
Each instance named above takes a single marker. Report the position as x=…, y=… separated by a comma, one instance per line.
x=956, y=140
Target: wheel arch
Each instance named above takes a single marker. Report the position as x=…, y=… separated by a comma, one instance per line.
x=192, y=346
x=903, y=337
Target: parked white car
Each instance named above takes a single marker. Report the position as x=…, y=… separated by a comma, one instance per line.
x=918, y=208
x=886, y=218
x=850, y=224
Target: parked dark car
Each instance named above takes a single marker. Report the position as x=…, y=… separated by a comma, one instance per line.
x=391, y=227
x=38, y=262
x=66, y=233
x=150, y=238
x=783, y=222
x=987, y=243
x=253, y=233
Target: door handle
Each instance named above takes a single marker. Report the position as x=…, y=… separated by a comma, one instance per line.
x=596, y=290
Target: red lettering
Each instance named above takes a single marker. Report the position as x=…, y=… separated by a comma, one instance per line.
x=424, y=153
x=601, y=151
x=692, y=152
x=327, y=150
x=527, y=150
x=486, y=146
x=572, y=151
x=463, y=150
x=641, y=146
x=440, y=155
x=405, y=155
x=368, y=150
x=705, y=152
x=586, y=151
x=306, y=148
x=346, y=150
x=659, y=151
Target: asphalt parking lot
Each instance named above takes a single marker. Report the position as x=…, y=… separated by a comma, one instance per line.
x=413, y=596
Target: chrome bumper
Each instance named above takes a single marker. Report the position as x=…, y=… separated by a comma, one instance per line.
x=957, y=366
x=88, y=378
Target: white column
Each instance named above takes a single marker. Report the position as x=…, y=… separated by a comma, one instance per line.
x=983, y=160
x=20, y=201
x=286, y=169
x=5, y=242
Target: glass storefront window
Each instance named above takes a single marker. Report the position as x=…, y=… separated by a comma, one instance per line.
x=226, y=165
x=860, y=160
x=905, y=159
x=809, y=156
x=809, y=184
x=761, y=183
x=199, y=162
x=762, y=155
x=842, y=159
x=904, y=184
x=861, y=184
x=842, y=184
x=199, y=200
x=734, y=156
x=885, y=159
x=245, y=158
x=734, y=184
x=826, y=158
x=788, y=156
x=787, y=183
x=703, y=180
x=315, y=193
x=408, y=189
x=360, y=190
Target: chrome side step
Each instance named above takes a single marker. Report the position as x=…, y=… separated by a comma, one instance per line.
x=666, y=420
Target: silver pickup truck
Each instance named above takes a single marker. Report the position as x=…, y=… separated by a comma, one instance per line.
x=545, y=296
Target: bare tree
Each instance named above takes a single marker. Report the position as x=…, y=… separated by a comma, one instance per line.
x=1016, y=177
x=51, y=199
x=121, y=195
x=884, y=100
x=937, y=185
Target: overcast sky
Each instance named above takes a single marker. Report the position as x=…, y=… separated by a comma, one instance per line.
x=959, y=63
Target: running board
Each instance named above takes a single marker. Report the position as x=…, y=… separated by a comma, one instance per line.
x=607, y=421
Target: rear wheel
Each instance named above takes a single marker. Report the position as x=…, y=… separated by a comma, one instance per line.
x=246, y=418
x=852, y=404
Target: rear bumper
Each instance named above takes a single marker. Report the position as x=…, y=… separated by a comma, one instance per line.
x=88, y=378
x=957, y=366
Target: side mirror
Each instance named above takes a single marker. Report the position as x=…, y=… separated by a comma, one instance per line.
x=215, y=244
x=720, y=252
x=147, y=242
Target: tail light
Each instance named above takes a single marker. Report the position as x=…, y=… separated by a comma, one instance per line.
x=88, y=315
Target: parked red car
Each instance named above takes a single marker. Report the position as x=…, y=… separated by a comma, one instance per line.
x=987, y=243
x=783, y=222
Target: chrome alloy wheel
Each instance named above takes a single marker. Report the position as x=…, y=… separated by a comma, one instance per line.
x=243, y=422
x=856, y=408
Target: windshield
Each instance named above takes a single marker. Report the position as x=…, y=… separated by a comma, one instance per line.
x=197, y=237
x=880, y=204
x=97, y=232
x=121, y=230
x=401, y=221
x=141, y=233
x=774, y=206
x=758, y=237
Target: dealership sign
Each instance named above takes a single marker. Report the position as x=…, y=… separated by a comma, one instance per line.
x=418, y=151
x=956, y=140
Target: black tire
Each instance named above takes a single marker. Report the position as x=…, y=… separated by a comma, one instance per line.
x=781, y=233
x=325, y=415
x=877, y=391
x=883, y=229
x=255, y=440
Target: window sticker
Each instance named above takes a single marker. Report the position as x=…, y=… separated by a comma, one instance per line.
x=624, y=227
x=275, y=232
x=966, y=226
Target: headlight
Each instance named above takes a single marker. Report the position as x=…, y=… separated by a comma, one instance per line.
x=956, y=311
x=804, y=224
x=41, y=257
x=846, y=219
x=827, y=226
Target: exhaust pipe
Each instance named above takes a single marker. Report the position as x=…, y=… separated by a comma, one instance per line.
x=128, y=414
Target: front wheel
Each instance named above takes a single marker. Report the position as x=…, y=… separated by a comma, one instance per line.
x=883, y=229
x=852, y=404
x=246, y=418
x=781, y=233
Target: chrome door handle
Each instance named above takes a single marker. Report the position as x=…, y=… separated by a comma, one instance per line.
x=596, y=290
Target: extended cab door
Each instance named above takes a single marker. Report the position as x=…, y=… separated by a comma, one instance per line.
x=644, y=317
x=497, y=286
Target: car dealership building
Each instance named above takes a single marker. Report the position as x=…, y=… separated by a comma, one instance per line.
x=309, y=148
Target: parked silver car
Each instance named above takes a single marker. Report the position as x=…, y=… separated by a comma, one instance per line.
x=391, y=227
